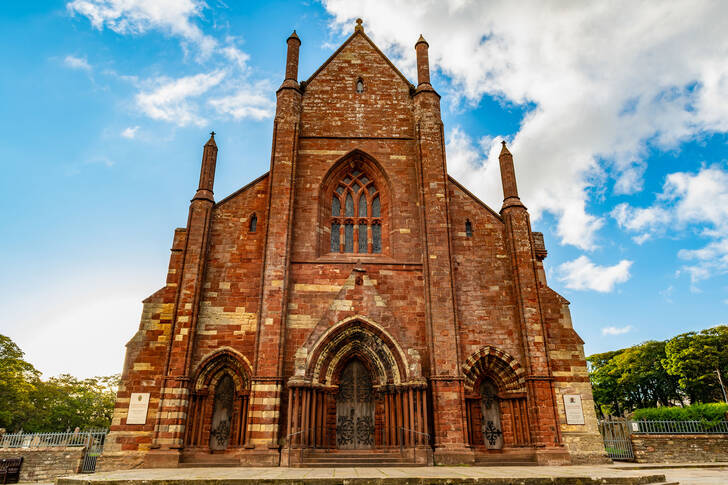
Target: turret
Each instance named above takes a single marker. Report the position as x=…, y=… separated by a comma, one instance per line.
x=423, y=62
x=207, y=170
x=508, y=177
x=294, y=43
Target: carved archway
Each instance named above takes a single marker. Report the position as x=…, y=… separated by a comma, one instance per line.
x=395, y=414
x=219, y=402
x=495, y=400
x=357, y=336
x=500, y=366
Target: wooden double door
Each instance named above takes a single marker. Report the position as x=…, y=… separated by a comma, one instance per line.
x=355, y=408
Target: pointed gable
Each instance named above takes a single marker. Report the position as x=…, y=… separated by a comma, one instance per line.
x=332, y=105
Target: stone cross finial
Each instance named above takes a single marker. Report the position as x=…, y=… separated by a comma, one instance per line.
x=358, y=27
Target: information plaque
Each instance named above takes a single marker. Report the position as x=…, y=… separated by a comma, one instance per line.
x=138, y=405
x=574, y=411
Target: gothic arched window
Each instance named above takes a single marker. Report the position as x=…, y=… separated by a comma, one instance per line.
x=468, y=228
x=356, y=219
x=253, y=223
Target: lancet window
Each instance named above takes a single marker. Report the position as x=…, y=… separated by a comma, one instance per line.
x=356, y=215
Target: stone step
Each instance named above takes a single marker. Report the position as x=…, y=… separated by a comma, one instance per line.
x=208, y=464
x=199, y=460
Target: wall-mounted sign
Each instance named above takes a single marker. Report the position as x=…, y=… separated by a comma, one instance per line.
x=574, y=411
x=138, y=405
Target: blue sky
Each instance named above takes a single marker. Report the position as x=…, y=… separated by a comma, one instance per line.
x=616, y=117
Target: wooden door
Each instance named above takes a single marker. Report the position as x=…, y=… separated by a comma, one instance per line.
x=222, y=414
x=490, y=409
x=355, y=408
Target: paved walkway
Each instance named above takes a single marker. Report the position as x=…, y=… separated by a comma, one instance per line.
x=530, y=475
x=623, y=473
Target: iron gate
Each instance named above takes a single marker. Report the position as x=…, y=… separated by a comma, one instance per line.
x=616, y=432
x=94, y=447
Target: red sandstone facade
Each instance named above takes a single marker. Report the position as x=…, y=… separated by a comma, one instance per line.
x=354, y=298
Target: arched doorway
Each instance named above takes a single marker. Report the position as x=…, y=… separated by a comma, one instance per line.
x=491, y=412
x=355, y=408
x=222, y=414
x=495, y=402
x=217, y=417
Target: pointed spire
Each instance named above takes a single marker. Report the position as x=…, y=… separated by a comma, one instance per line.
x=508, y=179
x=293, y=36
x=358, y=27
x=504, y=149
x=211, y=141
x=207, y=170
x=423, y=62
x=294, y=43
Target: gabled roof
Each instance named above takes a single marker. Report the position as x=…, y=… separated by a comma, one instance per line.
x=358, y=31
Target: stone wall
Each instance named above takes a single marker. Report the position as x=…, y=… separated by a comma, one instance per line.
x=45, y=464
x=680, y=448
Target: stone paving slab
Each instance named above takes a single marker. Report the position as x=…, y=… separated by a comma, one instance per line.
x=466, y=475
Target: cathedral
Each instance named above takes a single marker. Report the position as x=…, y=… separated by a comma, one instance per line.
x=354, y=304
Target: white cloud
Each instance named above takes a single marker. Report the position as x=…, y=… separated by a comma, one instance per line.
x=667, y=293
x=246, y=102
x=77, y=63
x=184, y=100
x=582, y=274
x=130, y=132
x=606, y=82
x=173, y=99
x=687, y=200
x=616, y=330
x=172, y=17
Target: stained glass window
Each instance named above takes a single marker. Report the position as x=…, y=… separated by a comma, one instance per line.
x=349, y=211
x=335, y=238
x=362, y=238
x=335, y=206
x=349, y=238
x=377, y=238
x=356, y=191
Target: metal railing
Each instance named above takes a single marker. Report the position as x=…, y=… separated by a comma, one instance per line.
x=92, y=440
x=615, y=433
x=289, y=441
x=679, y=427
x=43, y=440
x=424, y=441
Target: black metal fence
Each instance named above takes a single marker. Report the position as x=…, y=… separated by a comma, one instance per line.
x=615, y=432
x=680, y=427
x=92, y=440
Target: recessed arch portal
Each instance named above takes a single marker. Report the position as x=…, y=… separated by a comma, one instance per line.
x=219, y=402
x=496, y=364
x=361, y=337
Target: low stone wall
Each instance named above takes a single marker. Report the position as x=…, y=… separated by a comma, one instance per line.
x=679, y=448
x=45, y=464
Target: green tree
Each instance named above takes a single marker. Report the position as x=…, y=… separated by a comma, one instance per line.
x=18, y=381
x=631, y=378
x=643, y=379
x=65, y=402
x=694, y=357
x=607, y=398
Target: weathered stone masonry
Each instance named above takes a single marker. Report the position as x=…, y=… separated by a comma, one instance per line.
x=354, y=297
